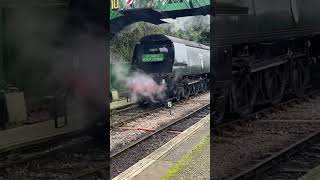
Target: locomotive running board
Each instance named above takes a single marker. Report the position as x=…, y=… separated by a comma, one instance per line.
x=193, y=82
x=261, y=66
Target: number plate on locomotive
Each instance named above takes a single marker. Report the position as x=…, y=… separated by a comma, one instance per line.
x=152, y=57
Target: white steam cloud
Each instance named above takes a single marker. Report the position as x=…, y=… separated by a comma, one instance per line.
x=142, y=85
x=139, y=84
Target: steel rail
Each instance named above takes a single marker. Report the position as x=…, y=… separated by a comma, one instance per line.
x=155, y=109
x=264, y=111
x=159, y=130
x=277, y=158
x=267, y=163
x=135, y=143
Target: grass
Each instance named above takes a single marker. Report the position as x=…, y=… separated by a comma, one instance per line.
x=186, y=158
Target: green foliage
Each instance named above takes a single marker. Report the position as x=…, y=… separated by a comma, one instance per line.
x=123, y=43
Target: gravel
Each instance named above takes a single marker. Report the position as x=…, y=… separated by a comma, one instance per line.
x=65, y=162
x=239, y=148
x=297, y=165
x=309, y=110
x=120, y=138
x=130, y=157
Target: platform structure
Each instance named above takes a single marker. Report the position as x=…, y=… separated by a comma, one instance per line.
x=120, y=104
x=38, y=132
x=187, y=156
x=152, y=11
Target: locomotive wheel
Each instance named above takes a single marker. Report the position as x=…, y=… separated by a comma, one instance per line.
x=184, y=94
x=178, y=94
x=243, y=94
x=205, y=85
x=219, y=110
x=201, y=86
x=275, y=85
x=197, y=88
x=192, y=89
x=187, y=91
x=143, y=104
x=298, y=79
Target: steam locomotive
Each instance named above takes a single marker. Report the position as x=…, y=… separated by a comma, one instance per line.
x=263, y=49
x=177, y=68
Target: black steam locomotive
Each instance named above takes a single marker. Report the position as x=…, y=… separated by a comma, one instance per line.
x=177, y=68
x=263, y=49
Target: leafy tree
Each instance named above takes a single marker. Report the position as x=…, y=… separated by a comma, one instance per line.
x=123, y=43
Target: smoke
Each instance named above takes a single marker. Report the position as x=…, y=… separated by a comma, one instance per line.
x=50, y=57
x=143, y=86
x=139, y=84
x=119, y=72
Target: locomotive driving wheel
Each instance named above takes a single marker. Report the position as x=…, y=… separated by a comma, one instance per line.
x=186, y=91
x=299, y=76
x=274, y=84
x=219, y=110
x=197, y=88
x=243, y=94
x=178, y=93
x=204, y=85
x=184, y=94
x=201, y=86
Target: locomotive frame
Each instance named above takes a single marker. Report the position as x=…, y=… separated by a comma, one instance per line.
x=261, y=53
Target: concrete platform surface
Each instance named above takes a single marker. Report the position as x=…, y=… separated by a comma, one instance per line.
x=194, y=165
x=120, y=104
x=314, y=174
x=170, y=161
x=36, y=132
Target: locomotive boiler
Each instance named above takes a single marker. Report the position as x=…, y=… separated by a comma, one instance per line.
x=263, y=49
x=177, y=68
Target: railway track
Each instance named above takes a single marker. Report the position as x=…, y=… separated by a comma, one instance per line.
x=125, y=157
x=290, y=163
x=196, y=112
x=128, y=114
x=58, y=160
x=262, y=112
x=54, y=161
x=264, y=145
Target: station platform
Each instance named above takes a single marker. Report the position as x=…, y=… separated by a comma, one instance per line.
x=314, y=174
x=120, y=104
x=43, y=131
x=34, y=133
x=187, y=156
